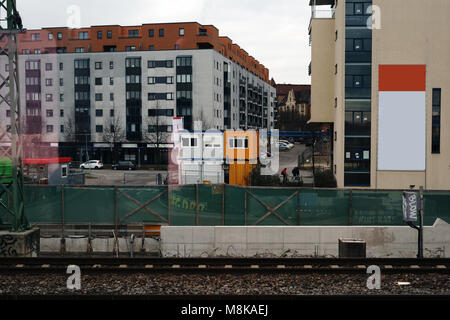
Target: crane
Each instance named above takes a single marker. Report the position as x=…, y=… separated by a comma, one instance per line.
x=13, y=186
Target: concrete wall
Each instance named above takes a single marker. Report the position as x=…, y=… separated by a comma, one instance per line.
x=322, y=70
x=268, y=241
x=99, y=245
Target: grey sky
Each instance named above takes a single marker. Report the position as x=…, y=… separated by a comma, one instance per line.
x=274, y=32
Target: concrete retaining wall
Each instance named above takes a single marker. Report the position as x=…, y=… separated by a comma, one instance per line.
x=99, y=245
x=298, y=241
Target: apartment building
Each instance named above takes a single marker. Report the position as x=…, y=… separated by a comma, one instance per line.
x=111, y=92
x=380, y=75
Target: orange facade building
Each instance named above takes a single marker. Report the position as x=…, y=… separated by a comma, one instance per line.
x=147, y=37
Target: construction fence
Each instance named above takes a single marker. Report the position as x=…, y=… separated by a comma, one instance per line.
x=210, y=205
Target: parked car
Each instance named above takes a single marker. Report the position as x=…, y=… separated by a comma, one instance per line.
x=92, y=164
x=290, y=144
x=124, y=165
x=283, y=146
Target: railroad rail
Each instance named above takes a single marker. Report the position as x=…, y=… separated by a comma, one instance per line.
x=282, y=265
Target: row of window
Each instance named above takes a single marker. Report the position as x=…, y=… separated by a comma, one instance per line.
x=84, y=35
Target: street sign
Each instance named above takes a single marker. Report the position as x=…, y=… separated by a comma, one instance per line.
x=410, y=206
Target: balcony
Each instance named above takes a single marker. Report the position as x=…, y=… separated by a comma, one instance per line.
x=322, y=9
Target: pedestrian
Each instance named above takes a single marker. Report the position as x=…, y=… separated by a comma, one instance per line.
x=295, y=172
x=284, y=173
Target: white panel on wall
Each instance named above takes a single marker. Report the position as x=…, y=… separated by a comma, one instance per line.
x=402, y=131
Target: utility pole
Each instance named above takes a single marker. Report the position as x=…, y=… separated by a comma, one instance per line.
x=9, y=29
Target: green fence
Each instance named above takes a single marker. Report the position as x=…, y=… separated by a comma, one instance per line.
x=207, y=205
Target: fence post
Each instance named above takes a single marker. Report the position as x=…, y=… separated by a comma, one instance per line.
x=115, y=210
x=168, y=203
x=245, y=206
x=223, y=204
x=350, y=208
x=196, y=204
x=62, y=212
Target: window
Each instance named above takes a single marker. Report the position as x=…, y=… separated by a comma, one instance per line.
x=61, y=66
x=61, y=97
x=181, y=31
x=111, y=97
x=35, y=37
x=98, y=65
x=37, y=51
x=169, y=96
x=184, y=78
x=48, y=97
x=25, y=51
x=436, y=122
x=49, y=128
x=99, y=112
x=176, y=47
x=49, y=82
x=111, y=64
x=238, y=143
x=133, y=63
x=49, y=113
x=151, y=33
x=98, y=81
x=358, y=9
x=83, y=35
x=161, y=32
x=59, y=36
x=134, y=33
x=79, y=50
x=109, y=34
x=82, y=64
x=99, y=34
x=61, y=113
x=335, y=69
x=99, y=128
x=8, y=113
x=50, y=36
x=111, y=81
x=184, y=61
x=160, y=64
x=133, y=79
x=130, y=48
x=48, y=67
x=98, y=97
x=151, y=47
x=133, y=95
x=61, y=128
x=111, y=113
x=358, y=45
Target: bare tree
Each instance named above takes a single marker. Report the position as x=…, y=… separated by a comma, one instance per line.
x=113, y=133
x=153, y=134
x=69, y=133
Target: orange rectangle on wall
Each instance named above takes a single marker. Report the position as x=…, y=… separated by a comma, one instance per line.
x=402, y=77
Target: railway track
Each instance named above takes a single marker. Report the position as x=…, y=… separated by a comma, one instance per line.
x=228, y=265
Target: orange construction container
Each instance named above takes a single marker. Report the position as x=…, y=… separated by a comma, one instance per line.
x=241, y=155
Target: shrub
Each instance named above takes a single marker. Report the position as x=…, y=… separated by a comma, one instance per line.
x=325, y=179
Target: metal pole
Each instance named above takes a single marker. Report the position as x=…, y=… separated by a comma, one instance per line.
x=168, y=203
x=62, y=212
x=420, y=253
x=223, y=205
x=350, y=208
x=196, y=204
x=245, y=206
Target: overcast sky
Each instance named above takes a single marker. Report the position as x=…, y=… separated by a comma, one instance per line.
x=275, y=32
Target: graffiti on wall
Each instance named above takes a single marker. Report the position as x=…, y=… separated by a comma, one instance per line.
x=8, y=246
